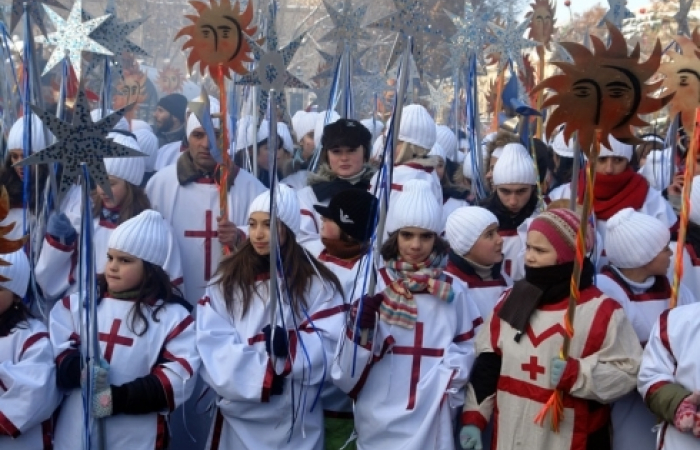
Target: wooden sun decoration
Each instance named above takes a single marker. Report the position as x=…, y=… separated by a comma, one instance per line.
x=682, y=77
x=7, y=245
x=131, y=89
x=605, y=90
x=490, y=97
x=216, y=37
x=542, y=23
x=526, y=75
x=171, y=80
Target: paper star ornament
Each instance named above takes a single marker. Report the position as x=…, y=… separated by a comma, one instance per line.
x=72, y=37
x=410, y=19
x=271, y=69
x=332, y=61
x=509, y=42
x=471, y=36
x=83, y=141
x=35, y=10
x=617, y=13
x=438, y=98
x=347, y=26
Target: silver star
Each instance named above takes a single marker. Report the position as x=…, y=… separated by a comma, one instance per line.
x=617, y=13
x=682, y=17
x=271, y=69
x=509, y=42
x=35, y=10
x=438, y=98
x=80, y=142
x=332, y=62
x=347, y=29
x=410, y=19
x=471, y=36
x=72, y=37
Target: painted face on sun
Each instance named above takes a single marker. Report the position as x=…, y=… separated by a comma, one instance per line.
x=542, y=21
x=170, y=80
x=682, y=76
x=132, y=89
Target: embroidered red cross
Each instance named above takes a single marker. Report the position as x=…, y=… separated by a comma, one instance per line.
x=208, y=234
x=113, y=339
x=533, y=368
x=418, y=352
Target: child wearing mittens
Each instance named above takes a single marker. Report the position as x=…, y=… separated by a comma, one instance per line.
x=146, y=339
x=28, y=393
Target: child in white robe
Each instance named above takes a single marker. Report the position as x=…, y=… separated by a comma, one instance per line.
x=28, y=393
x=408, y=378
x=146, y=339
x=265, y=356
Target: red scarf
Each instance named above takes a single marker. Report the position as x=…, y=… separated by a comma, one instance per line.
x=615, y=192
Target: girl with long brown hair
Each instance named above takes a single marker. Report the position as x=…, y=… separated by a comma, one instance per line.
x=266, y=358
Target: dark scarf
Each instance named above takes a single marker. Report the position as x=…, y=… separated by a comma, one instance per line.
x=126, y=295
x=325, y=190
x=110, y=215
x=541, y=286
x=692, y=237
x=454, y=192
x=344, y=249
x=615, y=192
x=507, y=221
x=464, y=267
x=188, y=172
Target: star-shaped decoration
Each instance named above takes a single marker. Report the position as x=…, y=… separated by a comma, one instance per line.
x=271, y=69
x=681, y=17
x=509, y=42
x=83, y=141
x=35, y=10
x=72, y=37
x=332, y=61
x=438, y=98
x=617, y=13
x=322, y=94
x=410, y=19
x=113, y=35
x=471, y=36
x=347, y=29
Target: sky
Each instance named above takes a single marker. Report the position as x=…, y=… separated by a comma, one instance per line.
x=578, y=6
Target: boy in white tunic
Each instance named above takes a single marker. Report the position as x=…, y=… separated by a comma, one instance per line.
x=28, y=393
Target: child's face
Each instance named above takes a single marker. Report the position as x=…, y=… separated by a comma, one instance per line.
x=660, y=264
x=124, y=272
x=415, y=244
x=7, y=298
x=539, y=252
x=118, y=187
x=488, y=249
x=259, y=233
x=329, y=229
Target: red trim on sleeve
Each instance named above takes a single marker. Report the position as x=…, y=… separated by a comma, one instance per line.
x=47, y=434
x=267, y=383
x=293, y=339
x=663, y=334
x=323, y=314
x=167, y=387
x=474, y=418
x=182, y=361
x=496, y=328
x=570, y=375
x=182, y=326
x=55, y=243
x=256, y=339
x=66, y=302
x=216, y=433
x=306, y=212
x=177, y=281
x=33, y=339
x=653, y=388
x=162, y=435
x=599, y=327
x=8, y=428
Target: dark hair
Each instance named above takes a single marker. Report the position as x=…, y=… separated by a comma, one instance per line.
x=15, y=187
x=134, y=203
x=155, y=285
x=390, y=247
x=16, y=317
x=238, y=273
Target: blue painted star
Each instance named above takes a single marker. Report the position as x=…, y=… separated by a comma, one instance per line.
x=617, y=13
x=509, y=42
x=83, y=141
x=72, y=37
x=347, y=27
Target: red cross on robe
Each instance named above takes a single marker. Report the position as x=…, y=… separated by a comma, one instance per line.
x=208, y=234
x=113, y=338
x=533, y=367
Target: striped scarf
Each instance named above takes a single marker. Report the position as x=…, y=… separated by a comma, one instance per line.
x=399, y=306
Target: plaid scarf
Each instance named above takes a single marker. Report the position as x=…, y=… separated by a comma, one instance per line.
x=399, y=306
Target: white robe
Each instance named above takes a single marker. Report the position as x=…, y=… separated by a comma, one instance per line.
x=167, y=351
x=237, y=367
x=671, y=356
x=691, y=267
x=28, y=392
x=168, y=155
x=484, y=294
x=56, y=267
x=191, y=211
x=631, y=419
x=297, y=180
x=405, y=400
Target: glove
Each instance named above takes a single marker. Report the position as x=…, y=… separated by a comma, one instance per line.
x=470, y=438
x=556, y=370
x=102, y=404
x=60, y=228
x=279, y=347
x=370, y=307
x=687, y=418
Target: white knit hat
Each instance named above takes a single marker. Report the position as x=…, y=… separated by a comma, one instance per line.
x=287, y=206
x=129, y=169
x=145, y=236
x=303, y=123
x=96, y=116
x=415, y=206
x=282, y=133
x=657, y=169
x=489, y=138
x=694, y=214
x=633, y=239
x=497, y=152
x=467, y=169
x=245, y=133
x=437, y=150
x=465, y=225
x=417, y=127
x=560, y=146
x=617, y=148
x=149, y=147
x=321, y=124
x=193, y=122
x=15, y=140
x=17, y=272
x=375, y=126
x=515, y=166
x=448, y=141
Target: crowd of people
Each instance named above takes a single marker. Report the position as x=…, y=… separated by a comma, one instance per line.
x=437, y=325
